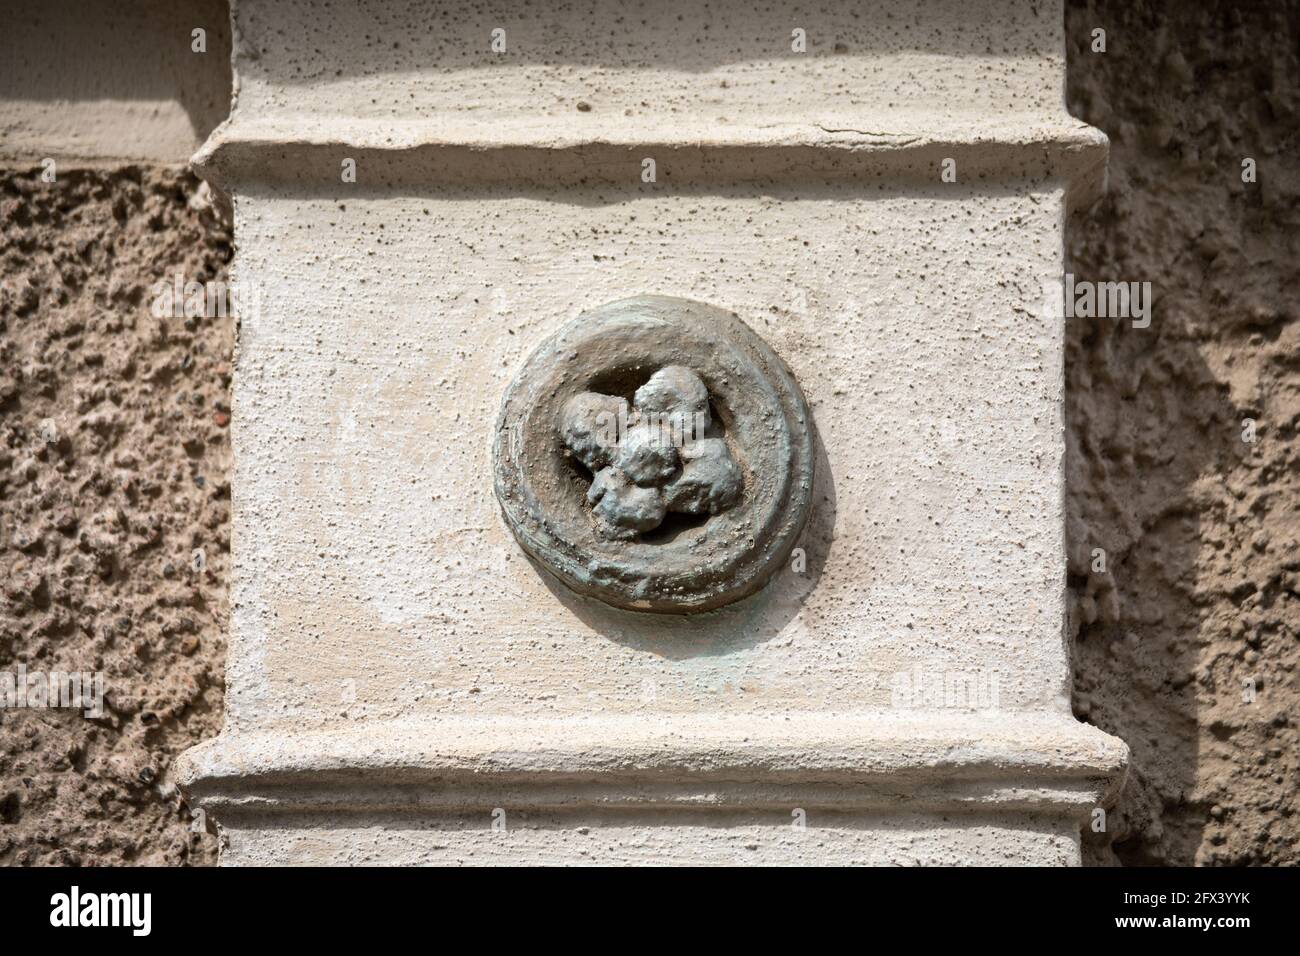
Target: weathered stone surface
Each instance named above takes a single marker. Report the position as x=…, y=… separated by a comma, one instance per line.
x=590, y=427
x=623, y=508
x=646, y=457
x=650, y=448
x=709, y=481
x=677, y=392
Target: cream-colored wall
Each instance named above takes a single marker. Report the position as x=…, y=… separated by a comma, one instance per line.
x=370, y=555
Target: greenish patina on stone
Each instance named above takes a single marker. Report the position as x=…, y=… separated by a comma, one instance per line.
x=654, y=458
x=656, y=454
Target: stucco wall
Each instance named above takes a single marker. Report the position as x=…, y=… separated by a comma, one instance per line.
x=1202, y=529
x=99, y=523
x=95, y=81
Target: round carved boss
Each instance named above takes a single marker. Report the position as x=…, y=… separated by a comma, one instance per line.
x=656, y=454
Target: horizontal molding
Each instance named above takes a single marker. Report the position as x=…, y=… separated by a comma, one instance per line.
x=919, y=762
x=243, y=155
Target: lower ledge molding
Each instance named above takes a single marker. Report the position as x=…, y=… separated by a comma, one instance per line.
x=986, y=762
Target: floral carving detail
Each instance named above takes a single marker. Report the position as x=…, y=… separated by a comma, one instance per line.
x=599, y=486
x=652, y=458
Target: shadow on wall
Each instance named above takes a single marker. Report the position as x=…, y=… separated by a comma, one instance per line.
x=1133, y=462
x=1187, y=644
x=114, y=78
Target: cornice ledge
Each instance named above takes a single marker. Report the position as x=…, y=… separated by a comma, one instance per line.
x=424, y=156
x=923, y=761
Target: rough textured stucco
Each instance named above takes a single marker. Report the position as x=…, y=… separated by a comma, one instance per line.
x=99, y=525
x=1202, y=530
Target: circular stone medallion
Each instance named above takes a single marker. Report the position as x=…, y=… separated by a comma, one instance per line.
x=656, y=454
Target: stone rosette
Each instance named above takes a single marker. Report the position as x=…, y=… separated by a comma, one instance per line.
x=629, y=518
x=653, y=458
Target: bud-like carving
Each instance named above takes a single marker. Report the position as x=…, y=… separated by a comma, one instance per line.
x=656, y=454
x=652, y=459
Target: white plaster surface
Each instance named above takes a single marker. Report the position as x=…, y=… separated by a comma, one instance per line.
x=686, y=69
x=371, y=557
x=663, y=839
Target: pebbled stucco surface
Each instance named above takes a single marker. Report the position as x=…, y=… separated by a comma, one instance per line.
x=99, y=523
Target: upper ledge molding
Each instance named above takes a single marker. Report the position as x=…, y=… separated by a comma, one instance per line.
x=582, y=92
x=1042, y=763
x=428, y=157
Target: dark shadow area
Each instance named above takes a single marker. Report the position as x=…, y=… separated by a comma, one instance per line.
x=93, y=50
x=1185, y=643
